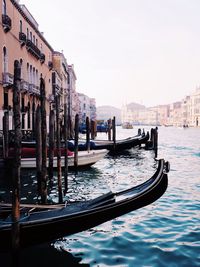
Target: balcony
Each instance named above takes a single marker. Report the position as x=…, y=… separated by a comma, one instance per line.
x=24, y=86
x=6, y=22
x=22, y=38
x=33, y=49
x=33, y=89
x=7, y=80
x=42, y=58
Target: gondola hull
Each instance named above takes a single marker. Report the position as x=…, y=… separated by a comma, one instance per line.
x=39, y=227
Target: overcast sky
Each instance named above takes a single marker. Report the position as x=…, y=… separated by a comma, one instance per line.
x=144, y=51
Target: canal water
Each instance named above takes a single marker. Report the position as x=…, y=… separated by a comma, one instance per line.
x=165, y=233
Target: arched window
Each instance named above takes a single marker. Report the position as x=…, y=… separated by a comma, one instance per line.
x=27, y=73
x=5, y=59
x=31, y=75
x=4, y=7
x=27, y=34
x=20, y=26
x=21, y=65
x=34, y=76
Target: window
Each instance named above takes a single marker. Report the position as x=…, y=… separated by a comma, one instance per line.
x=31, y=36
x=5, y=60
x=27, y=68
x=4, y=7
x=37, y=80
x=36, y=42
x=31, y=75
x=29, y=116
x=27, y=33
x=20, y=26
x=5, y=100
x=34, y=39
x=21, y=65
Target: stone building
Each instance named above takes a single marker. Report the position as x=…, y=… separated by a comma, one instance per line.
x=20, y=39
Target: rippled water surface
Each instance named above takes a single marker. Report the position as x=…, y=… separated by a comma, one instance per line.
x=165, y=233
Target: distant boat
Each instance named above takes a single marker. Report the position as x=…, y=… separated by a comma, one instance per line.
x=127, y=125
x=44, y=224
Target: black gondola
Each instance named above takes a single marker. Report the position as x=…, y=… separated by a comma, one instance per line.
x=117, y=146
x=38, y=226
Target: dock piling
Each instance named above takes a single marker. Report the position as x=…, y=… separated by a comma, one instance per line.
x=76, y=142
x=16, y=165
x=44, y=142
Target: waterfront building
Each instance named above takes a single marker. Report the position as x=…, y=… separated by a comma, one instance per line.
x=130, y=113
x=20, y=39
x=186, y=117
x=195, y=108
x=148, y=116
x=73, y=95
x=162, y=114
x=60, y=82
x=175, y=114
x=87, y=108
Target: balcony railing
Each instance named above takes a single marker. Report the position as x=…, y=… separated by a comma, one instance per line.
x=22, y=38
x=42, y=58
x=33, y=49
x=7, y=79
x=6, y=22
x=33, y=89
x=24, y=86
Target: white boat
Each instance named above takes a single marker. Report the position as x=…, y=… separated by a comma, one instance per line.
x=85, y=158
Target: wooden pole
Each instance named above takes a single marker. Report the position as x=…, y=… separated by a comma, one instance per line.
x=44, y=142
x=114, y=131
x=58, y=143
x=16, y=164
x=5, y=134
x=87, y=133
x=66, y=147
x=38, y=138
x=51, y=143
x=76, y=142
x=156, y=142
x=109, y=129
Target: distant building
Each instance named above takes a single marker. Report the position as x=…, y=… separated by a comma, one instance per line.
x=108, y=112
x=87, y=108
x=195, y=108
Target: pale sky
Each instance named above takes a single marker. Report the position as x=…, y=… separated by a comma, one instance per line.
x=144, y=51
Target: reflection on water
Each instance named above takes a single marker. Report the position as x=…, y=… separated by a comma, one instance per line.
x=165, y=233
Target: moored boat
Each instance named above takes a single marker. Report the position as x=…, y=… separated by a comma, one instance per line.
x=85, y=158
x=39, y=225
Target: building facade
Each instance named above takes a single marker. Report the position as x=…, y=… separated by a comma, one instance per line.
x=20, y=39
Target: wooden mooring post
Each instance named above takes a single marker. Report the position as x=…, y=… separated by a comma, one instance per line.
x=44, y=142
x=156, y=141
x=5, y=134
x=66, y=148
x=87, y=133
x=58, y=146
x=76, y=142
x=16, y=165
x=51, y=143
x=38, y=139
x=109, y=129
x=114, y=132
